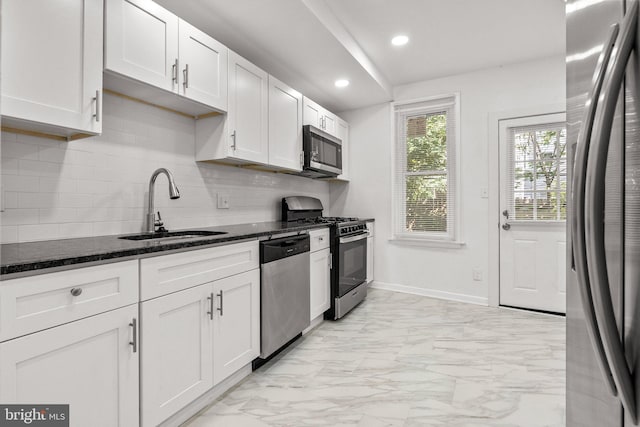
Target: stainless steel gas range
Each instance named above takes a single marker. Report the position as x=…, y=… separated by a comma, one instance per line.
x=348, y=251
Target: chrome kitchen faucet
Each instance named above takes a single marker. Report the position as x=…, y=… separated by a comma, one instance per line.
x=174, y=193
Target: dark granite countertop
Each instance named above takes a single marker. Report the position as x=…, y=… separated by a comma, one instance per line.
x=20, y=259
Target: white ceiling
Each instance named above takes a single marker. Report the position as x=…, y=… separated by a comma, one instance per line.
x=311, y=43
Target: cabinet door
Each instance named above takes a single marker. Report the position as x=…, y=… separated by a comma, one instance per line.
x=177, y=356
x=52, y=62
x=236, y=329
x=285, y=126
x=88, y=364
x=142, y=42
x=312, y=114
x=248, y=111
x=342, y=132
x=203, y=65
x=369, y=259
x=330, y=123
x=320, y=282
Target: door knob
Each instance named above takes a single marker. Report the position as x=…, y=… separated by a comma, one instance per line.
x=506, y=226
x=505, y=213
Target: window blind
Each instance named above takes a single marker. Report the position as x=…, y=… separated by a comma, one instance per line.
x=425, y=180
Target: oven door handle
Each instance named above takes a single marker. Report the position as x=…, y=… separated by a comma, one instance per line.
x=354, y=238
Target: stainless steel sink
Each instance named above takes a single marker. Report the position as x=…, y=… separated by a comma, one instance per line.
x=165, y=235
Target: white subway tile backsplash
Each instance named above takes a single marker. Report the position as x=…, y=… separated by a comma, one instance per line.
x=58, y=215
x=37, y=200
x=8, y=233
x=16, y=150
x=29, y=184
x=38, y=168
x=75, y=200
x=99, y=185
x=30, y=233
x=19, y=216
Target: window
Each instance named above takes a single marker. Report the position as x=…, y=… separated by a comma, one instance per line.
x=425, y=187
x=537, y=172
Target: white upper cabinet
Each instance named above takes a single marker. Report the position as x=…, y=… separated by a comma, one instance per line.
x=285, y=126
x=342, y=131
x=318, y=116
x=248, y=116
x=146, y=43
x=141, y=42
x=52, y=66
x=203, y=65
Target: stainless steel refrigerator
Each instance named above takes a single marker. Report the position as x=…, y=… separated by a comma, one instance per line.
x=603, y=274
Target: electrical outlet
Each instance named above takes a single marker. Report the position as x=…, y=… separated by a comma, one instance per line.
x=223, y=201
x=477, y=274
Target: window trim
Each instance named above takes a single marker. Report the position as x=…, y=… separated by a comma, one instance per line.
x=452, y=238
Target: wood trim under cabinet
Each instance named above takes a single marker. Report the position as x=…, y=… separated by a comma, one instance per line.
x=171, y=110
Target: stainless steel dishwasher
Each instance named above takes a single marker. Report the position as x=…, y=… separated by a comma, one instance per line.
x=284, y=291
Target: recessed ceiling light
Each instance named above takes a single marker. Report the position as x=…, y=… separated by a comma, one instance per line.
x=342, y=83
x=400, y=40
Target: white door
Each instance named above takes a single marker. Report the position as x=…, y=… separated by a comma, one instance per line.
x=320, y=286
x=236, y=328
x=177, y=355
x=285, y=126
x=248, y=110
x=52, y=62
x=88, y=364
x=141, y=42
x=203, y=65
x=533, y=179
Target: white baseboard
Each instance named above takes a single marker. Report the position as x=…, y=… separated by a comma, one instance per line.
x=433, y=293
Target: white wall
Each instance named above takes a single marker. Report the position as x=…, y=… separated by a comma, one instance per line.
x=436, y=271
x=98, y=185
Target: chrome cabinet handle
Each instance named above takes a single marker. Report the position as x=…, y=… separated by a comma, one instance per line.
x=578, y=249
x=76, y=291
x=210, y=312
x=221, y=295
x=594, y=212
x=134, y=343
x=185, y=76
x=233, y=136
x=174, y=72
x=97, y=101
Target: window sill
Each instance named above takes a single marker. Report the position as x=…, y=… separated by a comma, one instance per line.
x=429, y=243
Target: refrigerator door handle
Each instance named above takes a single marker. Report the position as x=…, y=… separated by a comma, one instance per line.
x=579, y=263
x=594, y=211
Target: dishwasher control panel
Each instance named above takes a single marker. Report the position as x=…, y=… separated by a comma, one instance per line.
x=272, y=250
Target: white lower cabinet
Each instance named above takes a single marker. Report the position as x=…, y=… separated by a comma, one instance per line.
x=193, y=339
x=320, y=270
x=90, y=364
x=320, y=282
x=236, y=326
x=177, y=355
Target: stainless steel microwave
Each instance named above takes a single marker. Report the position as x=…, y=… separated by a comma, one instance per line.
x=322, y=153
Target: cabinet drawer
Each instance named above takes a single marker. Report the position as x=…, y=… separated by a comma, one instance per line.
x=170, y=273
x=31, y=304
x=319, y=239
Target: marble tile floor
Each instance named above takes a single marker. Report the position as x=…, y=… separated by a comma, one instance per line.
x=406, y=360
